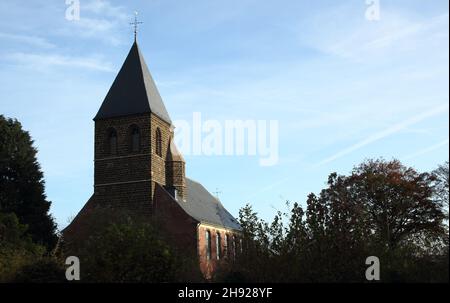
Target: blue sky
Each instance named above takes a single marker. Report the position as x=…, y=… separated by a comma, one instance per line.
x=342, y=88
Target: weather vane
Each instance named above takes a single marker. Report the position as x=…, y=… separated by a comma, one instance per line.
x=135, y=24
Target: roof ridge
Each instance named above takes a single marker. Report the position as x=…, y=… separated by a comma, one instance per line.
x=159, y=108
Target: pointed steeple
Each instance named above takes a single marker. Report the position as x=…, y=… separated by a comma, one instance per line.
x=133, y=91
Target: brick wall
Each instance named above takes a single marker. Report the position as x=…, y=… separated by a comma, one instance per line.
x=181, y=228
x=122, y=169
x=122, y=126
x=123, y=166
x=123, y=179
x=227, y=252
x=134, y=197
x=158, y=162
x=175, y=176
x=126, y=166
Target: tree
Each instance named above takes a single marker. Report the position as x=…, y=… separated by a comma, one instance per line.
x=46, y=269
x=381, y=209
x=252, y=261
x=398, y=200
x=385, y=209
x=16, y=248
x=442, y=185
x=123, y=248
x=22, y=183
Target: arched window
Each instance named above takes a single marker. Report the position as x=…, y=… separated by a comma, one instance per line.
x=208, y=245
x=226, y=251
x=158, y=142
x=135, y=136
x=234, y=247
x=112, y=141
x=218, y=242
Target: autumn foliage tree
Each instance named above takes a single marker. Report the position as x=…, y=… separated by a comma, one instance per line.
x=381, y=209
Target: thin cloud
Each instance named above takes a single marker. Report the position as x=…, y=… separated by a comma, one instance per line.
x=387, y=132
x=26, y=39
x=427, y=150
x=392, y=34
x=43, y=61
x=269, y=187
x=99, y=19
x=103, y=7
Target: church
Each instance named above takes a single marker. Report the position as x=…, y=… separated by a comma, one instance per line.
x=137, y=167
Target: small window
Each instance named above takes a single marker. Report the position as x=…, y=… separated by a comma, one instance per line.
x=208, y=245
x=112, y=141
x=218, y=246
x=158, y=142
x=135, y=139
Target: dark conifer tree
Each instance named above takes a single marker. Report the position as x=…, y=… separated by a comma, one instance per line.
x=22, y=183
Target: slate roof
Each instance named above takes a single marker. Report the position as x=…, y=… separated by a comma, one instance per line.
x=133, y=91
x=205, y=208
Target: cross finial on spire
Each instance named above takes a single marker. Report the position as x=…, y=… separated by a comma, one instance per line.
x=135, y=24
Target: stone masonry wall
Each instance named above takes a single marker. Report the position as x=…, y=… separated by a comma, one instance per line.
x=123, y=179
x=175, y=176
x=158, y=167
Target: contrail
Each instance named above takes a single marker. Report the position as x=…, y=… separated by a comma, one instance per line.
x=387, y=132
x=426, y=150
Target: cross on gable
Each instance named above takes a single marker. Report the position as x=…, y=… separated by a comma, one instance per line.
x=216, y=193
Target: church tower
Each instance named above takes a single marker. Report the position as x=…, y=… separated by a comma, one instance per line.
x=134, y=146
x=138, y=168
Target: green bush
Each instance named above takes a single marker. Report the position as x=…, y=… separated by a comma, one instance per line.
x=129, y=250
x=16, y=247
x=43, y=270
